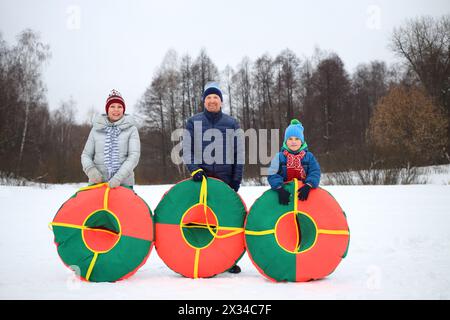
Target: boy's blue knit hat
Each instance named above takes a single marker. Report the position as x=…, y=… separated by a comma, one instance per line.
x=295, y=129
x=212, y=88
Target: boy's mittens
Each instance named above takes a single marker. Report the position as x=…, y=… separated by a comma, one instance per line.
x=303, y=192
x=198, y=176
x=94, y=175
x=283, y=196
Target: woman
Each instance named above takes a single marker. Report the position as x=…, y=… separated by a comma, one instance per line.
x=113, y=147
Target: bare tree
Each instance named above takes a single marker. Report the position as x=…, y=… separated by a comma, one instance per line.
x=187, y=88
x=29, y=56
x=288, y=64
x=369, y=84
x=228, y=86
x=204, y=70
x=242, y=79
x=263, y=74
x=328, y=105
x=62, y=131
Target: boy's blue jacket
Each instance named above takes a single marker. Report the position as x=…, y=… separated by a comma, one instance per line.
x=278, y=170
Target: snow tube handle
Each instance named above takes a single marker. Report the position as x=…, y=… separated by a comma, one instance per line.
x=203, y=201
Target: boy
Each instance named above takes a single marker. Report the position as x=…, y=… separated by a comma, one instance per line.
x=294, y=161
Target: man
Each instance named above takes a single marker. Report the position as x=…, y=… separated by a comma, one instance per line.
x=213, y=127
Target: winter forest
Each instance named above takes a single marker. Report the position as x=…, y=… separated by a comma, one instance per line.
x=375, y=121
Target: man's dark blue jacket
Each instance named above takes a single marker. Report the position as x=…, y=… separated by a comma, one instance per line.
x=228, y=170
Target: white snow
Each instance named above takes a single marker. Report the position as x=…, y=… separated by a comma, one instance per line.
x=399, y=249
x=439, y=174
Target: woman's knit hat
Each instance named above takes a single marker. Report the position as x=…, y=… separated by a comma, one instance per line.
x=114, y=96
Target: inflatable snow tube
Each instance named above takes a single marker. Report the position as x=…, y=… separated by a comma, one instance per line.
x=305, y=240
x=200, y=228
x=104, y=234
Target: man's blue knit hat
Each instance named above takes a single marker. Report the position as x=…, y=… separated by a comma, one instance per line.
x=212, y=88
x=295, y=129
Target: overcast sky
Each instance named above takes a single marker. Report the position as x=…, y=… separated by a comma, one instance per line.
x=99, y=45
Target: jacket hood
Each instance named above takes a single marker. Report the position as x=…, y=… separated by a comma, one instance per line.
x=100, y=122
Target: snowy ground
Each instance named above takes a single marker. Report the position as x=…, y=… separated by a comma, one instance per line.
x=399, y=249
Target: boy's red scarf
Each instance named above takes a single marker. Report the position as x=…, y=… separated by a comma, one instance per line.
x=294, y=165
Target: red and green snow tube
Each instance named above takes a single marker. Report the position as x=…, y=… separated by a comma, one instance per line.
x=303, y=241
x=105, y=234
x=200, y=228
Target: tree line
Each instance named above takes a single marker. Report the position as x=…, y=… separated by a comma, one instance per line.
x=378, y=116
x=35, y=143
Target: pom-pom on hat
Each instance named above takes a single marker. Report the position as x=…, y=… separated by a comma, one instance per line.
x=114, y=96
x=295, y=129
